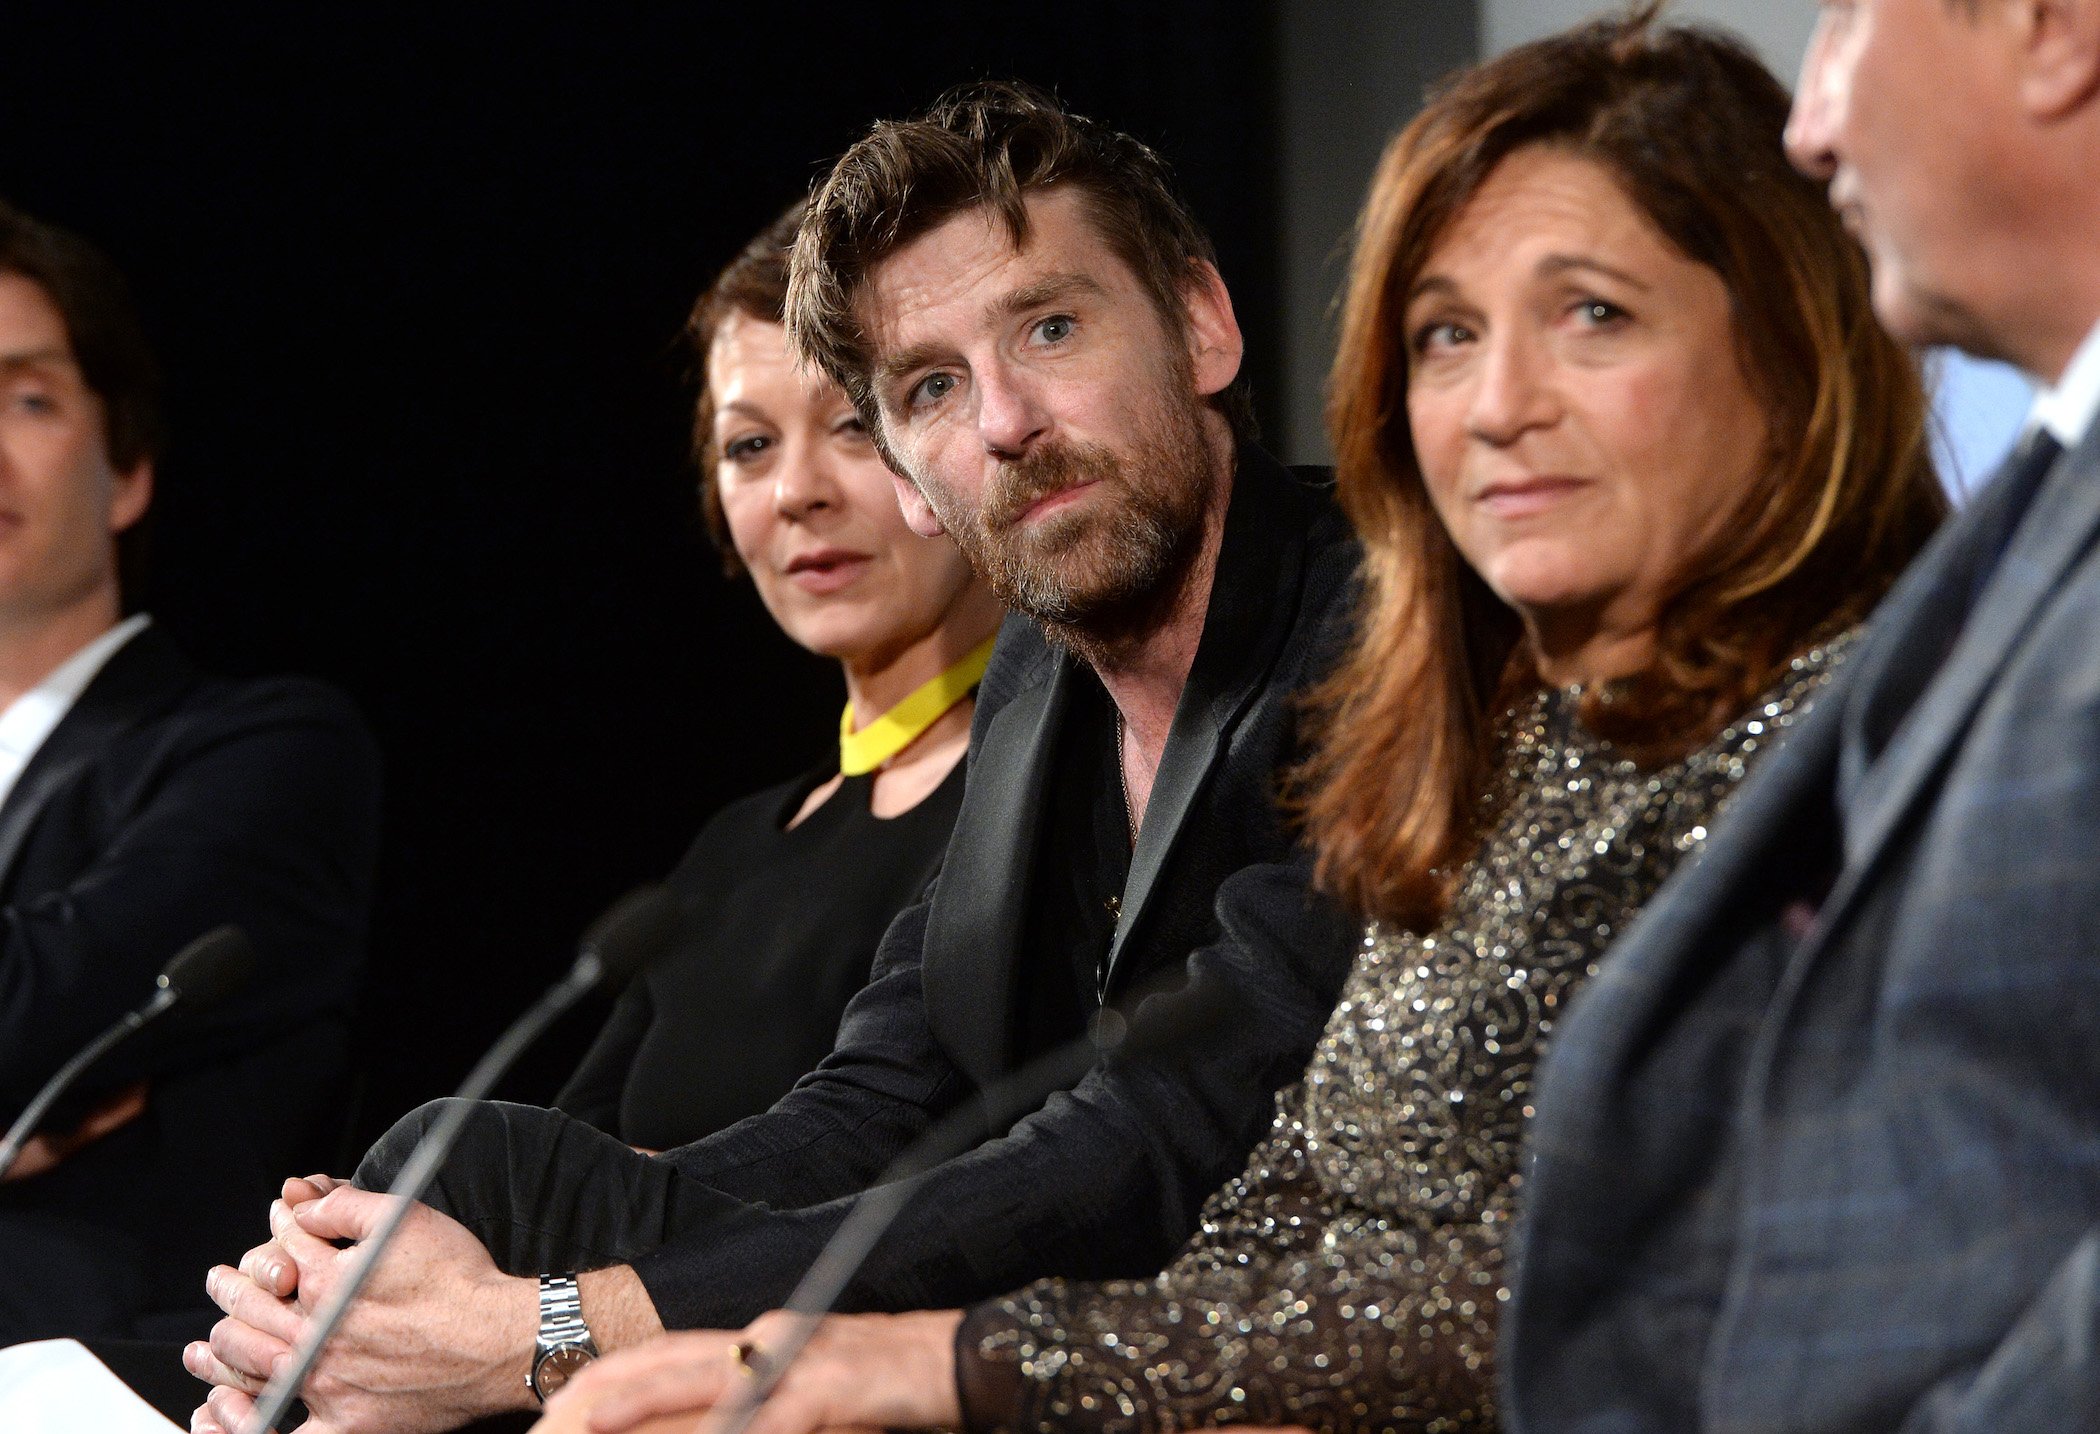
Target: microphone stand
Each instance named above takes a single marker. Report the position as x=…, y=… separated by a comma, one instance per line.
x=436, y=1143
x=998, y=1104
x=32, y=1114
x=202, y=973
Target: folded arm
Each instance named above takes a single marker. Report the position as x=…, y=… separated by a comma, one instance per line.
x=266, y=819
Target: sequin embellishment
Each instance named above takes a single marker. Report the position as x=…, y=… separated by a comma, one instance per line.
x=1350, y=1277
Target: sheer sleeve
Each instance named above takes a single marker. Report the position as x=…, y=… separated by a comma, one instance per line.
x=1285, y=1309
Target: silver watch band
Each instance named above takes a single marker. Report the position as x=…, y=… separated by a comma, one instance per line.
x=561, y=1313
x=564, y=1344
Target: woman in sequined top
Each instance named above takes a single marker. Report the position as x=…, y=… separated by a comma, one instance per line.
x=1629, y=458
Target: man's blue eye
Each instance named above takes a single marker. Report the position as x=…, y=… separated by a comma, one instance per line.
x=933, y=388
x=1055, y=330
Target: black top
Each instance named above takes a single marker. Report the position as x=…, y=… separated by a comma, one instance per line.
x=784, y=924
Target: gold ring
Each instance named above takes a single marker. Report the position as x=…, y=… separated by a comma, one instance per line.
x=742, y=1354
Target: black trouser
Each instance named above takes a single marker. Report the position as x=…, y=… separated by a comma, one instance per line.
x=62, y=1277
x=83, y=1253
x=545, y=1192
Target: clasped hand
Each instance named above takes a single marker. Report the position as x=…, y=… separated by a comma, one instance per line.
x=436, y=1337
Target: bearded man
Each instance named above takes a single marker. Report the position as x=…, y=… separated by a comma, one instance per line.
x=1034, y=329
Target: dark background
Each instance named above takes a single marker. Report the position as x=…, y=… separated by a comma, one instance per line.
x=417, y=284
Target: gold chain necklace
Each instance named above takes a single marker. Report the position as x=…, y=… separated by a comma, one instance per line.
x=1123, y=782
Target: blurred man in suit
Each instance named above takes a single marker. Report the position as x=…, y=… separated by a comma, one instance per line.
x=1820, y=1150
x=142, y=804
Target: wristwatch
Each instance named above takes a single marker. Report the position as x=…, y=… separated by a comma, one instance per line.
x=564, y=1344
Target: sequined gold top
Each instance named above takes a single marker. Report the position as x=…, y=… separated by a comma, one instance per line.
x=1350, y=1277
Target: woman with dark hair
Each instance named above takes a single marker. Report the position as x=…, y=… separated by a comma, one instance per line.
x=1629, y=458
x=791, y=888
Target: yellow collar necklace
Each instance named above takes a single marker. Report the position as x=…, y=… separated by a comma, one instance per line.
x=863, y=751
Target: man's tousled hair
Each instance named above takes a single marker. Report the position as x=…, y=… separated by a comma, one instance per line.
x=109, y=343
x=982, y=146
x=102, y=326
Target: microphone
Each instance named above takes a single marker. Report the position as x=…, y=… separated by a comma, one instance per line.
x=201, y=974
x=615, y=947
x=1174, y=1019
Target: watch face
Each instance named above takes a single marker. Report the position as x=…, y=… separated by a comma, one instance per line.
x=557, y=1367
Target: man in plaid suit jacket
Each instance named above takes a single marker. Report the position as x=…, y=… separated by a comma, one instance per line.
x=1820, y=1148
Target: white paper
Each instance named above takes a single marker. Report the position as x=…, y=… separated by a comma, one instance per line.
x=54, y=1386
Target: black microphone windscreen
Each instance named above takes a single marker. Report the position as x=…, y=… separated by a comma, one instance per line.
x=635, y=929
x=211, y=968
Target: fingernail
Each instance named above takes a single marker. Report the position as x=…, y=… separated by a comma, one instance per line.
x=275, y=1270
x=191, y=1356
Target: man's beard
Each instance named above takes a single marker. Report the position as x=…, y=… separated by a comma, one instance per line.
x=1109, y=570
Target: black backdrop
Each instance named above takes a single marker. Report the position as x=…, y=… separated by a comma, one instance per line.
x=417, y=284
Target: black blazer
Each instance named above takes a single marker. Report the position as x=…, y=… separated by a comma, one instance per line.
x=1106, y=1179
x=164, y=804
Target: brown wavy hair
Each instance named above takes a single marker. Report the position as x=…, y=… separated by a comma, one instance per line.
x=986, y=145
x=753, y=284
x=1688, y=122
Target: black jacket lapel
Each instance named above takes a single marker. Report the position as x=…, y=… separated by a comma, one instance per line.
x=140, y=679
x=975, y=922
x=2056, y=532
x=1259, y=562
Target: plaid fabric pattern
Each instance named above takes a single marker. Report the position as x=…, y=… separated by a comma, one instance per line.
x=1845, y=1174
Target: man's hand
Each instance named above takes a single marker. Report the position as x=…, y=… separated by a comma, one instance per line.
x=437, y=1336
x=859, y=1371
x=268, y=1264
x=44, y=1150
